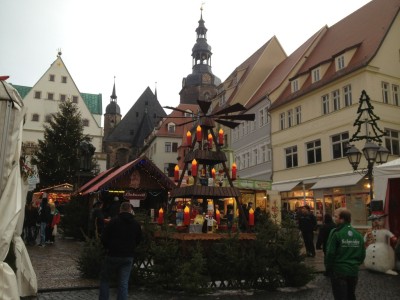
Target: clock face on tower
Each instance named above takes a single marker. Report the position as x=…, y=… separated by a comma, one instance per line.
x=206, y=78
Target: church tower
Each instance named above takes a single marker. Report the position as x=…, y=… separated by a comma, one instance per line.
x=202, y=83
x=113, y=114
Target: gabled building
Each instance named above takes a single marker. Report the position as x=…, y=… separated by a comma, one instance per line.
x=312, y=117
x=125, y=137
x=43, y=99
x=248, y=144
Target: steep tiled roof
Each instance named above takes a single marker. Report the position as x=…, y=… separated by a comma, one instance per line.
x=282, y=71
x=127, y=130
x=365, y=29
x=245, y=66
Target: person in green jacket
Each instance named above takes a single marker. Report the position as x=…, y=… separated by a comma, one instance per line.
x=345, y=252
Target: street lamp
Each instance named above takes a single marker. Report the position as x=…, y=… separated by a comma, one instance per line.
x=373, y=153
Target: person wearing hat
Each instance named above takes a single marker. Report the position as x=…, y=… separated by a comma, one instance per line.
x=307, y=225
x=380, y=256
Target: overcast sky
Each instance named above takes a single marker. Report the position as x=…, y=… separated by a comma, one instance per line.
x=149, y=41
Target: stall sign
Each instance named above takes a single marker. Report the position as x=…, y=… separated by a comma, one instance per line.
x=132, y=195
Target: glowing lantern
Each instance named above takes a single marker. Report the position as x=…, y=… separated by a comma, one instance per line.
x=186, y=216
x=198, y=133
x=209, y=140
x=221, y=137
x=189, y=138
x=251, y=217
x=176, y=173
x=234, y=171
x=194, y=168
x=160, y=219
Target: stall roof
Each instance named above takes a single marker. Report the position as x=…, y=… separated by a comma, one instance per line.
x=64, y=187
x=105, y=178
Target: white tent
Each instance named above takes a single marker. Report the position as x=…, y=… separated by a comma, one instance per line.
x=13, y=192
x=384, y=182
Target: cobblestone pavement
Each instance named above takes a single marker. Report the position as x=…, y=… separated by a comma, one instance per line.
x=58, y=278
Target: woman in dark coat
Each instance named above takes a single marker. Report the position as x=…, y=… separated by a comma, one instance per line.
x=324, y=232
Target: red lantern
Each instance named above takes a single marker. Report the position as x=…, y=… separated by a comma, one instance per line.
x=221, y=137
x=194, y=168
x=189, y=138
x=198, y=133
x=213, y=173
x=176, y=173
x=251, y=217
x=186, y=216
x=209, y=140
x=234, y=171
x=160, y=219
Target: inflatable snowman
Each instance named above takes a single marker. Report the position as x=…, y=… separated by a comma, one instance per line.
x=380, y=255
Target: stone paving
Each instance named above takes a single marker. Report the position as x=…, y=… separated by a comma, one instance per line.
x=58, y=278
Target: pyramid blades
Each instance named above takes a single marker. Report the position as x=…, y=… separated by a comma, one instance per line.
x=204, y=105
x=229, y=124
x=233, y=108
x=177, y=109
x=244, y=117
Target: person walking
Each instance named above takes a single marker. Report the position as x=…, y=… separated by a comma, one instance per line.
x=120, y=238
x=52, y=225
x=307, y=225
x=44, y=217
x=345, y=252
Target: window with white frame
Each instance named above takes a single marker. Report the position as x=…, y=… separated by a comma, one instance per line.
x=385, y=92
x=245, y=127
x=336, y=100
x=171, y=128
x=247, y=159
x=325, y=104
x=238, y=163
x=295, y=86
x=255, y=157
x=348, y=100
x=314, y=154
x=395, y=94
x=340, y=62
x=291, y=157
x=168, y=147
x=315, y=75
x=298, y=115
x=392, y=141
x=243, y=161
x=252, y=125
x=290, y=118
x=263, y=116
x=263, y=149
x=188, y=113
x=282, y=121
x=174, y=147
x=339, y=145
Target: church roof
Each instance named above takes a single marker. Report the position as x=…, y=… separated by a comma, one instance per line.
x=140, y=120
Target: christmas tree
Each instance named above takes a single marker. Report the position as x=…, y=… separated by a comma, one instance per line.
x=58, y=155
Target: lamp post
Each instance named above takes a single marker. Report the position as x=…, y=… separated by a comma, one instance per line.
x=373, y=153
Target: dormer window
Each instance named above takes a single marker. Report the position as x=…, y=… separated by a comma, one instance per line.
x=188, y=113
x=315, y=75
x=295, y=86
x=171, y=128
x=340, y=63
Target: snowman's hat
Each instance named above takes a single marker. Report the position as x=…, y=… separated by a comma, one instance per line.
x=376, y=215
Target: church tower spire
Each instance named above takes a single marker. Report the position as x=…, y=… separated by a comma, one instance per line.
x=113, y=113
x=202, y=83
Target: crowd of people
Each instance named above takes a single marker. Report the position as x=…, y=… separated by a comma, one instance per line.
x=41, y=221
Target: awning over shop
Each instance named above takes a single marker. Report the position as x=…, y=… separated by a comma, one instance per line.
x=338, y=181
x=284, y=187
